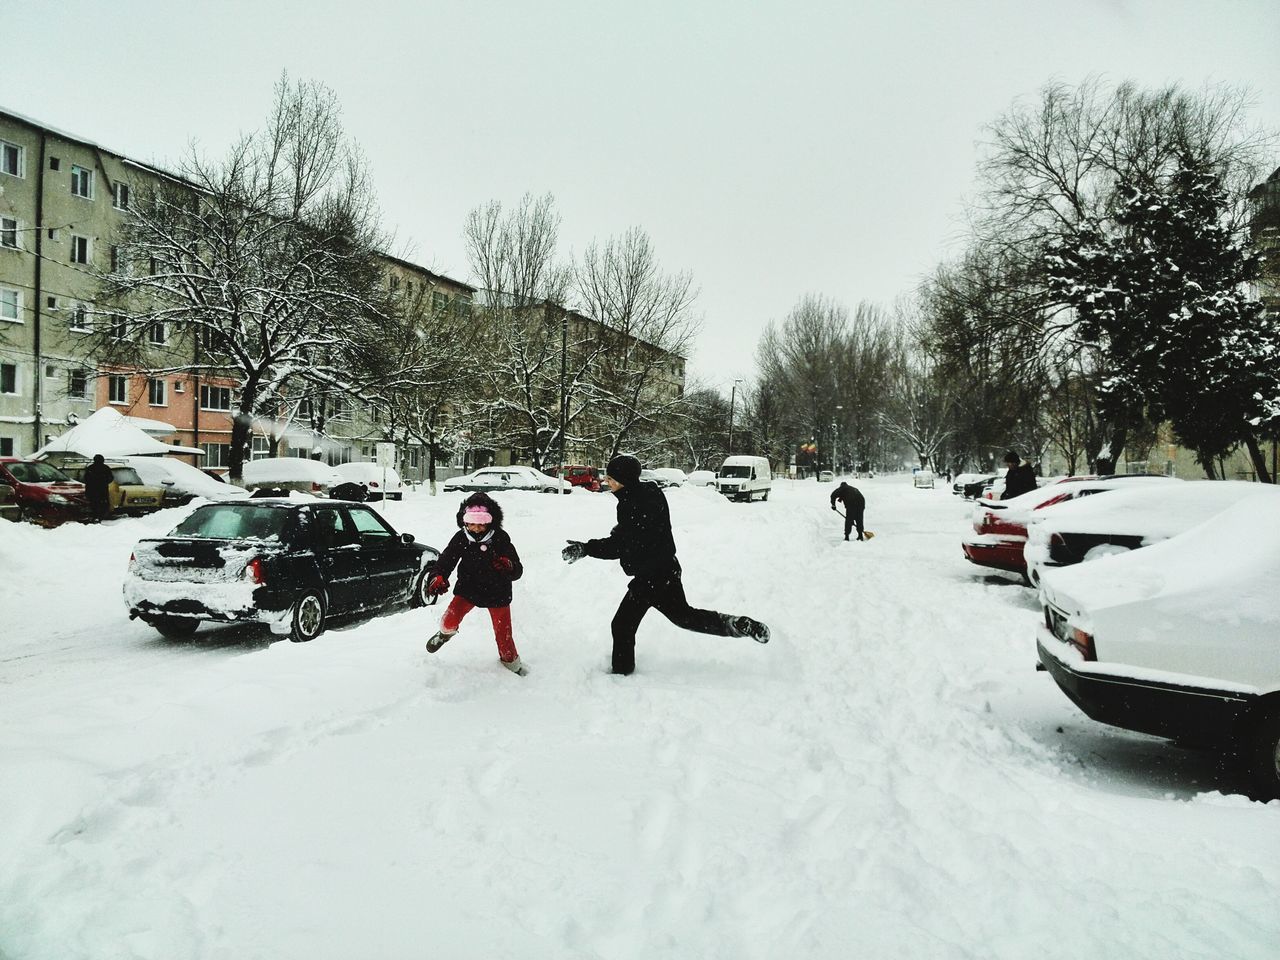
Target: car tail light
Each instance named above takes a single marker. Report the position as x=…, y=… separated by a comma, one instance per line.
x=1052, y=500
x=1084, y=643
x=255, y=570
x=133, y=559
x=315, y=488
x=373, y=483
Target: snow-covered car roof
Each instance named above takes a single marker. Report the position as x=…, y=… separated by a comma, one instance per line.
x=365, y=470
x=673, y=472
x=1214, y=581
x=184, y=478
x=1156, y=511
x=289, y=470
x=1021, y=508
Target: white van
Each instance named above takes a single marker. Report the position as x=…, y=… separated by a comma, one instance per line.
x=745, y=478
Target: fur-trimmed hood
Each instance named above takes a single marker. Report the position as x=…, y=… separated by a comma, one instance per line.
x=479, y=499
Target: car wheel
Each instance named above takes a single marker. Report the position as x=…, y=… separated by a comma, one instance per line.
x=420, y=596
x=308, y=618
x=175, y=628
x=1264, y=757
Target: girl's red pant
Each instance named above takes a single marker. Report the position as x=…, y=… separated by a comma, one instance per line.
x=501, y=617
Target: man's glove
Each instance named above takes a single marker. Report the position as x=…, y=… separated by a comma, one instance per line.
x=503, y=564
x=437, y=586
x=574, y=552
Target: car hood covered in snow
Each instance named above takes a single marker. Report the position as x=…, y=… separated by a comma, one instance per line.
x=1201, y=603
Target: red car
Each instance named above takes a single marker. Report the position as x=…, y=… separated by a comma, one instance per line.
x=580, y=476
x=1001, y=525
x=42, y=492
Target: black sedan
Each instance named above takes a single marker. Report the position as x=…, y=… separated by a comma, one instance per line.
x=287, y=564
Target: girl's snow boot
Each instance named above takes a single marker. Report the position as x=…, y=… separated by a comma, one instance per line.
x=746, y=627
x=437, y=641
x=516, y=667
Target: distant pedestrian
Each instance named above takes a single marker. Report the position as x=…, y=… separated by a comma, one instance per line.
x=1019, y=478
x=854, y=505
x=643, y=544
x=97, y=487
x=487, y=565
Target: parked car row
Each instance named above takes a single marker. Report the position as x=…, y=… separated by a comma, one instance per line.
x=1158, y=606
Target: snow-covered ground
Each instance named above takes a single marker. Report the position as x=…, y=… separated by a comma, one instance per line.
x=889, y=777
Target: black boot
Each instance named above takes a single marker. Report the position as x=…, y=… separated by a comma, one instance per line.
x=746, y=627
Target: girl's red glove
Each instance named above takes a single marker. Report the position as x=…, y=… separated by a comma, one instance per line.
x=437, y=586
x=503, y=564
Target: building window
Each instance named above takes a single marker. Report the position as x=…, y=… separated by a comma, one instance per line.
x=157, y=334
x=77, y=384
x=157, y=396
x=55, y=163
x=216, y=454
x=11, y=157
x=10, y=305
x=6, y=447
x=259, y=448
x=120, y=195
x=79, y=249
x=8, y=378
x=118, y=388
x=81, y=182
x=117, y=326
x=80, y=318
x=215, y=398
x=413, y=458
x=9, y=233
x=439, y=302
x=115, y=258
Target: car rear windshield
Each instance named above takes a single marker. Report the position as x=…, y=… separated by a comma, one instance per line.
x=225, y=521
x=736, y=471
x=126, y=476
x=37, y=473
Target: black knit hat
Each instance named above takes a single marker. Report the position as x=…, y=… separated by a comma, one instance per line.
x=1012, y=457
x=624, y=469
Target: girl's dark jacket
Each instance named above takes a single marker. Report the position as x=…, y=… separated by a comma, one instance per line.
x=642, y=540
x=478, y=581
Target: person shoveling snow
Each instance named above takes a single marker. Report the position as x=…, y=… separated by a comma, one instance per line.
x=854, y=505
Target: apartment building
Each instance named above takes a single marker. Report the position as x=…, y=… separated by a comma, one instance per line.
x=62, y=198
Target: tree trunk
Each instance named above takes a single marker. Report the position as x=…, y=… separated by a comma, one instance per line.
x=431, y=463
x=1259, y=460
x=241, y=426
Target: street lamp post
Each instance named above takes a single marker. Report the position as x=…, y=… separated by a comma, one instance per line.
x=733, y=396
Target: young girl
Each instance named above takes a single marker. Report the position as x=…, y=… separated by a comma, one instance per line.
x=487, y=564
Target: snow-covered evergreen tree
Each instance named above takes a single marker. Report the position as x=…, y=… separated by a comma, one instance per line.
x=1159, y=288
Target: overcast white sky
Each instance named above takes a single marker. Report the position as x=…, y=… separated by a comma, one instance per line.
x=771, y=149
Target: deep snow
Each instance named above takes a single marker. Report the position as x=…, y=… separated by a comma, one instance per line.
x=889, y=777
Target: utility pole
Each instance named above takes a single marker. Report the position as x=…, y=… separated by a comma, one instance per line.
x=733, y=395
x=564, y=411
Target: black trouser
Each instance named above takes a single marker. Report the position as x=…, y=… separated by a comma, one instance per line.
x=100, y=506
x=853, y=518
x=665, y=595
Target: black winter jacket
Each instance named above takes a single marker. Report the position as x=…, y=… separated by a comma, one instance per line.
x=1018, y=480
x=478, y=581
x=642, y=540
x=851, y=497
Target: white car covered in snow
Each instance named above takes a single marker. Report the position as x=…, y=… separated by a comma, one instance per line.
x=1128, y=518
x=291, y=473
x=1180, y=639
x=379, y=483
x=702, y=478
x=181, y=481
x=491, y=479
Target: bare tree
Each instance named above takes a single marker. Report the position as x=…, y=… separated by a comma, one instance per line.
x=921, y=401
x=253, y=270
x=537, y=372
x=648, y=326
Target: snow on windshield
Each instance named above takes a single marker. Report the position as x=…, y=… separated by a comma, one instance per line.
x=233, y=522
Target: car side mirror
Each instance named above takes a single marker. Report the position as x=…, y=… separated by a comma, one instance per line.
x=406, y=538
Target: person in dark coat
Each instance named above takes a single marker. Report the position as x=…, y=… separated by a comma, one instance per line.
x=487, y=565
x=1019, y=478
x=97, y=487
x=854, y=505
x=643, y=544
